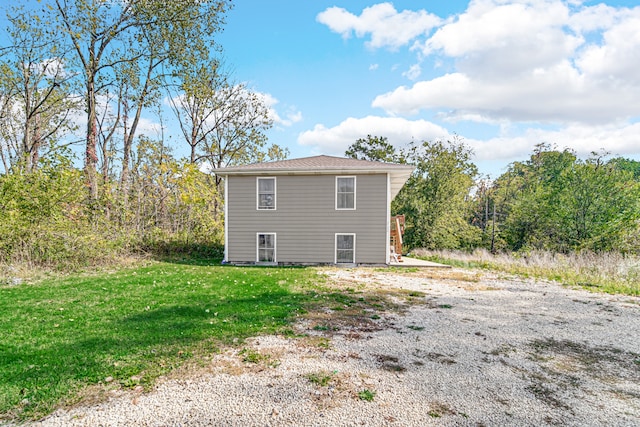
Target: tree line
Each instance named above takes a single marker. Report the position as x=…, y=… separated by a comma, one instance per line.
x=553, y=201
x=84, y=76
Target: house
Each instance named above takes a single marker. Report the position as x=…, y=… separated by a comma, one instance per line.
x=313, y=210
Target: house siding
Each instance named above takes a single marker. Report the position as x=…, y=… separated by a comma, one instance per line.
x=305, y=220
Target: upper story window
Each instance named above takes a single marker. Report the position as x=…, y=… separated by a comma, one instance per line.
x=346, y=192
x=266, y=193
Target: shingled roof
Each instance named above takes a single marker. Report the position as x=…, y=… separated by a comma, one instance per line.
x=324, y=165
x=313, y=163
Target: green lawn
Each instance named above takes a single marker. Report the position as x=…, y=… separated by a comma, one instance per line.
x=61, y=335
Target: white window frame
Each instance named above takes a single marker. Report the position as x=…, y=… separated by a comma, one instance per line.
x=275, y=193
x=335, y=252
x=275, y=245
x=354, y=193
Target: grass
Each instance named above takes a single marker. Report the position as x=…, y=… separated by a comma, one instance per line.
x=321, y=379
x=606, y=272
x=439, y=409
x=125, y=328
x=367, y=395
x=252, y=356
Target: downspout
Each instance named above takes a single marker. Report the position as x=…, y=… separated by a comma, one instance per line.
x=226, y=219
x=388, y=233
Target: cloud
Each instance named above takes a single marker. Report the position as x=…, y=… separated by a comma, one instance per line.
x=622, y=140
x=554, y=95
x=495, y=39
x=291, y=115
x=554, y=71
x=54, y=68
x=617, y=58
x=530, y=61
x=413, y=72
x=151, y=128
x=619, y=140
x=398, y=131
x=593, y=18
x=386, y=26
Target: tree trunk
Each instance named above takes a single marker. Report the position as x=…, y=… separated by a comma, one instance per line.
x=91, y=157
x=493, y=230
x=130, y=134
x=126, y=153
x=35, y=146
x=26, y=137
x=193, y=143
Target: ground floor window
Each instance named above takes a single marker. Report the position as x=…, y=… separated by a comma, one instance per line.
x=345, y=248
x=266, y=247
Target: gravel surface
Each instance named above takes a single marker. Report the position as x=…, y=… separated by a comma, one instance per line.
x=470, y=350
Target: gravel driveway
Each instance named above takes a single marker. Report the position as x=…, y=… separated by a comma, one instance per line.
x=470, y=349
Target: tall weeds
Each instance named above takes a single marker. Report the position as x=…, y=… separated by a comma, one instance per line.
x=47, y=222
x=608, y=272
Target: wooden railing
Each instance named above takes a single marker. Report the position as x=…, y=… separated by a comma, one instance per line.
x=397, y=230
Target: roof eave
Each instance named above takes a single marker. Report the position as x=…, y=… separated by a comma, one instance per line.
x=334, y=171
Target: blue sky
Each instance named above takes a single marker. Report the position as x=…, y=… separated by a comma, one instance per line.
x=502, y=75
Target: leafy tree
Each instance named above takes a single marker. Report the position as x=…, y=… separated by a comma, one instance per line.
x=118, y=56
x=629, y=165
x=195, y=104
x=173, y=199
x=374, y=148
x=36, y=91
x=558, y=202
x=43, y=219
x=529, y=198
x=598, y=195
x=484, y=213
x=222, y=121
x=102, y=35
x=435, y=199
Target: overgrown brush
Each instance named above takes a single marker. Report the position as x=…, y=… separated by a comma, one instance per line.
x=47, y=221
x=609, y=272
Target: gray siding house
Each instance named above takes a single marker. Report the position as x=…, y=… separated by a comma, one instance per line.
x=313, y=210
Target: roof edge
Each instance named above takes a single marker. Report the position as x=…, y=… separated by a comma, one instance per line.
x=298, y=171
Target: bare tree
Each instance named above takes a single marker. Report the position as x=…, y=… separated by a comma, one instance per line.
x=37, y=98
x=194, y=105
x=223, y=122
x=102, y=35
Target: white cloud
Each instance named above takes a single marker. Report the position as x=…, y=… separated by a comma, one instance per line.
x=291, y=115
x=398, y=131
x=621, y=140
x=373, y=67
x=619, y=55
x=554, y=71
x=413, y=72
x=52, y=68
x=151, y=128
x=519, y=62
x=593, y=18
x=493, y=40
x=387, y=27
x=554, y=95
